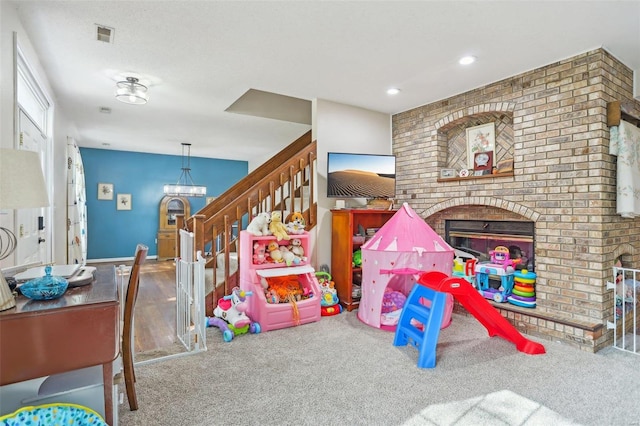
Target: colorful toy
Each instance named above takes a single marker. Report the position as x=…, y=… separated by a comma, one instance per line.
x=392, y=301
x=296, y=248
x=357, y=258
x=288, y=257
x=260, y=224
x=501, y=267
x=469, y=298
x=501, y=256
x=230, y=317
x=329, y=302
x=277, y=228
x=274, y=252
x=465, y=270
x=295, y=223
x=259, y=253
x=524, y=293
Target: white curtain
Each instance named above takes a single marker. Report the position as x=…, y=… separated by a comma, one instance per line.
x=625, y=143
x=76, y=206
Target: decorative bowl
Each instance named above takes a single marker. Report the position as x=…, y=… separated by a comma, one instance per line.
x=45, y=288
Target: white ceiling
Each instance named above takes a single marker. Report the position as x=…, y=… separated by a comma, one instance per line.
x=199, y=57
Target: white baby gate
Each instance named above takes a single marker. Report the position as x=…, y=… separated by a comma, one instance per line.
x=626, y=290
x=190, y=313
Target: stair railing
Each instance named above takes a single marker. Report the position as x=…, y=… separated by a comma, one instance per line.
x=284, y=183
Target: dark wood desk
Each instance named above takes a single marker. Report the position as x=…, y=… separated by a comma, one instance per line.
x=80, y=329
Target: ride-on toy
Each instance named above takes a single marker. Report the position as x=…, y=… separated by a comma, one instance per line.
x=230, y=317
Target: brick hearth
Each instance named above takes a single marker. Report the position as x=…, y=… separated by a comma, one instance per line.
x=552, y=122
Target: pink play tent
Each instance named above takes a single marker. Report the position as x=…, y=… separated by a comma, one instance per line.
x=394, y=257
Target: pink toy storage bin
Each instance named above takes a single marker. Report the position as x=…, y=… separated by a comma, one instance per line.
x=273, y=316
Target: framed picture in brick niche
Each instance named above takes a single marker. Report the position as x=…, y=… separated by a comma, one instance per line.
x=480, y=138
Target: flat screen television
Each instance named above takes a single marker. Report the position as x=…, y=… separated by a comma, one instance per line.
x=361, y=175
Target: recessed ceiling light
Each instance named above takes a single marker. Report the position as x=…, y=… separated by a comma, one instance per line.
x=393, y=91
x=466, y=60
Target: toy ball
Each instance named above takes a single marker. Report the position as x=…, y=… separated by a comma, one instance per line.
x=392, y=301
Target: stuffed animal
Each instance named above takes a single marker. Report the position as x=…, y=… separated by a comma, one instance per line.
x=296, y=248
x=295, y=223
x=274, y=252
x=288, y=257
x=259, y=253
x=260, y=224
x=276, y=226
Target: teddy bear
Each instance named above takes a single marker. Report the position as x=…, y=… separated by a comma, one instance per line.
x=274, y=252
x=295, y=246
x=259, y=253
x=295, y=223
x=260, y=224
x=276, y=226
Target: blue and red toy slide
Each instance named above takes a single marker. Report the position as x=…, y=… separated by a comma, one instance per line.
x=481, y=309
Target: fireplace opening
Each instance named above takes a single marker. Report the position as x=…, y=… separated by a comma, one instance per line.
x=479, y=237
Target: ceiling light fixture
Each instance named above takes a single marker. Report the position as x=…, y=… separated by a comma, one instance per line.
x=393, y=91
x=185, y=186
x=131, y=92
x=467, y=60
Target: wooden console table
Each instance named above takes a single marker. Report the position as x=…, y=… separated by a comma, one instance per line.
x=78, y=330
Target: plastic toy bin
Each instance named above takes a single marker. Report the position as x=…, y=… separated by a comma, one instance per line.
x=273, y=316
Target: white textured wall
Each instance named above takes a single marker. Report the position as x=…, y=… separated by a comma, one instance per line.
x=342, y=128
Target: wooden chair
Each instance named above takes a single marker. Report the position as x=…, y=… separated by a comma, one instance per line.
x=127, y=329
x=59, y=386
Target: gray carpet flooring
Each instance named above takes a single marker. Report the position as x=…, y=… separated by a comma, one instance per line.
x=339, y=371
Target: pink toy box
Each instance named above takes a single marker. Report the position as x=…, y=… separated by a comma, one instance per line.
x=257, y=266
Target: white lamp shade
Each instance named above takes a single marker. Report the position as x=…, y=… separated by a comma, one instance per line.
x=21, y=180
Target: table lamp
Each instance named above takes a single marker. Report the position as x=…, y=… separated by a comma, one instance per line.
x=21, y=186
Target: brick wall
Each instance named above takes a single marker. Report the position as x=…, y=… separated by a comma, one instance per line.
x=552, y=122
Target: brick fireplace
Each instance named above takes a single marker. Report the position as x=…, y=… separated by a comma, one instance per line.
x=551, y=122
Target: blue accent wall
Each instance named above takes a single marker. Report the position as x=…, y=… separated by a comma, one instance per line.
x=115, y=233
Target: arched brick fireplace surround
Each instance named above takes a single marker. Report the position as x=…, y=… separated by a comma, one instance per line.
x=551, y=122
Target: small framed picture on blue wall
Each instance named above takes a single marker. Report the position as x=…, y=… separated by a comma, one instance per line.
x=124, y=202
x=105, y=191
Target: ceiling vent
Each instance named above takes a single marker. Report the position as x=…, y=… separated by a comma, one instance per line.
x=104, y=34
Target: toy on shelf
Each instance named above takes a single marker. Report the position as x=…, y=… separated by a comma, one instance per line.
x=259, y=253
x=230, y=315
x=259, y=225
x=295, y=245
x=295, y=223
x=523, y=293
x=288, y=257
x=501, y=267
x=277, y=228
x=465, y=270
x=329, y=302
x=275, y=254
x=501, y=256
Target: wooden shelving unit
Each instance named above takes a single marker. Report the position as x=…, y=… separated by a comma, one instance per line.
x=345, y=224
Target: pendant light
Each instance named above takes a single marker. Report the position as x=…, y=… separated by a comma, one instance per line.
x=131, y=92
x=185, y=186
